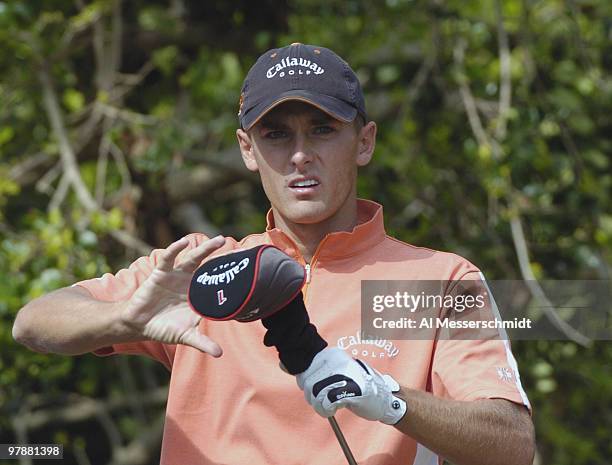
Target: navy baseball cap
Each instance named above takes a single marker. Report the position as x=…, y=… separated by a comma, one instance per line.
x=307, y=73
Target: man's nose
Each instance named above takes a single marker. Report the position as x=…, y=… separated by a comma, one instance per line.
x=302, y=151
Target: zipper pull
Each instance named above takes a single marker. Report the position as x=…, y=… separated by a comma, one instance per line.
x=307, y=266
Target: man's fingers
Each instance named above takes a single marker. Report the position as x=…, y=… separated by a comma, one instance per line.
x=194, y=258
x=328, y=408
x=197, y=340
x=315, y=393
x=324, y=407
x=168, y=256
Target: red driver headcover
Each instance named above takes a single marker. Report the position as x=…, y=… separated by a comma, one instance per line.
x=246, y=285
x=260, y=283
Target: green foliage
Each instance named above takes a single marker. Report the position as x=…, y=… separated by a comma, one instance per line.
x=441, y=186
x=46, y=255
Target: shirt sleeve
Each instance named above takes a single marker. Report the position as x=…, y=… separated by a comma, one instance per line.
x=475, y=364
x=120, y=287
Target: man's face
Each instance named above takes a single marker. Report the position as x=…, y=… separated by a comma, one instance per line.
x=307, y=160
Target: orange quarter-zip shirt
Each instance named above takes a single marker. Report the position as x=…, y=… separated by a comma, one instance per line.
x=242, y=409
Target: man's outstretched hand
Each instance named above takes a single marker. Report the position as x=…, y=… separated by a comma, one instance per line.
x=159, y=311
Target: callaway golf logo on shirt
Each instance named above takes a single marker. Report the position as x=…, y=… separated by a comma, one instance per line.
x=278, y=69
x=364, y=346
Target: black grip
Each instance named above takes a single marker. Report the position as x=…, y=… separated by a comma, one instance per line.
x=294, y=336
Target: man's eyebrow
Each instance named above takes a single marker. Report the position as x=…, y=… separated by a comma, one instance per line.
x=321, y=118
x=272, y=123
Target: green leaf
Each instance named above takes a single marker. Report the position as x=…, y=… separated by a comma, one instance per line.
x=73, y=100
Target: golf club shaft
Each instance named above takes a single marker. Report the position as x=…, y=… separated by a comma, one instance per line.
x=343, y=444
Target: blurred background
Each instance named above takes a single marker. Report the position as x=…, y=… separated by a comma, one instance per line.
x=117, y=122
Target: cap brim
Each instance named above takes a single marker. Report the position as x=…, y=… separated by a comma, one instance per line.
x=334, y=107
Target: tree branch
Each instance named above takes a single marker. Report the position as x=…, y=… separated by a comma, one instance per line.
x=21, y=434
x=129, y=383
x=81, y=455
x=520, y=244
x=60, y=193
x=81, y=408
x=139, y=451
x=469, y=104
x=44, y=183
x=67, y=155
x=102, y=164
x=124, y=172
x=116, y=37
x=130, y=81
x=69, y=162
x=505, y=82
x=518, y=237
x=19, y=172
x=126, y=115
x=190, y=217
x=132, y=242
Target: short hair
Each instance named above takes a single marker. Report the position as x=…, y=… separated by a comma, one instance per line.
x=359, y=122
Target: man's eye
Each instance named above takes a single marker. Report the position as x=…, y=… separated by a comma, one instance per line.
x=323, y=130
x=275, y=134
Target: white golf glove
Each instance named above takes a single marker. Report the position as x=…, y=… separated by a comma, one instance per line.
x=335, y=380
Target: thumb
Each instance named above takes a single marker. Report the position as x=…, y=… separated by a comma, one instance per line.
x=194, y=338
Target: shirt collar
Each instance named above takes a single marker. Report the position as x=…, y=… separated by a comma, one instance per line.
x=369, y=231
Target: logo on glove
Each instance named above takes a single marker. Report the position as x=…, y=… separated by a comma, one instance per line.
x=346, y=387
x=344, y=394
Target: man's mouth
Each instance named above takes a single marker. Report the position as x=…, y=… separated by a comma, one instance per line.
x=306, y=185
x=303, y=183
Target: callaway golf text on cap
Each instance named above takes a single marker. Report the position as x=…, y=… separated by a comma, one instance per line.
x=308, y=73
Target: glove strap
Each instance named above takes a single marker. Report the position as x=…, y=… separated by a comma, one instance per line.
x=395, y=411
x=397, y=407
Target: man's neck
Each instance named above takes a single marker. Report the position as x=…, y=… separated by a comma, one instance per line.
x=309, y=236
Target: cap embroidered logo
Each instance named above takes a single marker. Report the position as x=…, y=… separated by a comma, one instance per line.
x=311, y=67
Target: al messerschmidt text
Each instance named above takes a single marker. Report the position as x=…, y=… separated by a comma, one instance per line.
x=411, y=323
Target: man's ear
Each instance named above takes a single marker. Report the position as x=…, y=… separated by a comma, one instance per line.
x=247, y=149
x=367, y=142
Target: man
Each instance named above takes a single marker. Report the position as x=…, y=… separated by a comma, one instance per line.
x=304, y=129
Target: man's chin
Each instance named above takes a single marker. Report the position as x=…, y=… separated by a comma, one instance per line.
x=307, y=213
